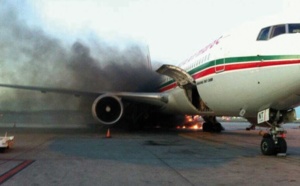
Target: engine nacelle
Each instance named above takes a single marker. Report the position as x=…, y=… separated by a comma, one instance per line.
x=107, y=109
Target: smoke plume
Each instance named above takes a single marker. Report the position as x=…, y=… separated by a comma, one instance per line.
x=31, y=56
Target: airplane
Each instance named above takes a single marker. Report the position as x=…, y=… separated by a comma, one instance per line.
x=252, y=72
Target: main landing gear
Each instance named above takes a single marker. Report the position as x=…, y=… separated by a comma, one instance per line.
x=211, y=124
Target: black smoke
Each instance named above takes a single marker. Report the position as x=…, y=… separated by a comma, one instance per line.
x=31, y=56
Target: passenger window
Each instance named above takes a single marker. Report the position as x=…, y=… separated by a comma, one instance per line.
x=294, y=28
x=264, y=33
x=277, y=30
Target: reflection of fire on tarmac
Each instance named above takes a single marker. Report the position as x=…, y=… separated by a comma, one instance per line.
x=192, y=123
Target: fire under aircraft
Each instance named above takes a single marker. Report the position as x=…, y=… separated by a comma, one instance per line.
x=253, y=72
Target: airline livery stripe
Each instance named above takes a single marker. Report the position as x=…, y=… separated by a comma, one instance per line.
x=245, y=59
x=210, y=68
x=168, y=87
x=240, y=66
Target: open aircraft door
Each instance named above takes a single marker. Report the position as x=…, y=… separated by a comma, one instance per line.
x=182, y=78
x=188, y=84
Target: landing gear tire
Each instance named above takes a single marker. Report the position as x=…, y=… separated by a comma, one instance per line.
x=212, y=127
x=281, y=146
x=206, y=127
x=267, y=146
x=218, y=127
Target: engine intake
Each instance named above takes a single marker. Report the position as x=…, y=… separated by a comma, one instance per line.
x=107, y=109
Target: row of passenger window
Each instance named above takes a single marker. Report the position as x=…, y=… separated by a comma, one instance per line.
x=273, y=31
x=199, y=61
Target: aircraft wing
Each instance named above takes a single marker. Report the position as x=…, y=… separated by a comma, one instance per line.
x=156, y=98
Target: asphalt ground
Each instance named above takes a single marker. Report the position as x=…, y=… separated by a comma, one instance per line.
x=69, y=156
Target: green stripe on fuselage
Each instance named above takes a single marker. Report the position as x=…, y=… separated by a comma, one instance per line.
x=231, y=60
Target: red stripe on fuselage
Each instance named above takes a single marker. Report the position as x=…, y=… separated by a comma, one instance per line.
x=235, y=66
x=168, y=87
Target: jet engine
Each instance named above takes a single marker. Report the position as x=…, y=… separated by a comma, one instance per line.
x=107, y=109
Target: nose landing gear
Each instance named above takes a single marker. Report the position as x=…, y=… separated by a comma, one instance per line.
x=271, y=144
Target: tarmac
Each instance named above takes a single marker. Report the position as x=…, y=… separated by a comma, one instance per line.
x=82, y=156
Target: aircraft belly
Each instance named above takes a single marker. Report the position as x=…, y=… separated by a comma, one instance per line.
x=252, y=90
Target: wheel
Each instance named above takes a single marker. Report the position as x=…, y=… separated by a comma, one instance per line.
x=206, y=127
x=209, y=127
x=281, y=146
x=267, y=146
x=217, y=127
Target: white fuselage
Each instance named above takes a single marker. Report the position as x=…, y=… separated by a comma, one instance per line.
x=238, y=72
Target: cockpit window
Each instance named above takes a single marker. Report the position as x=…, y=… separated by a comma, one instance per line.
x=277, y=30
x=294, y=28
x=264, y=34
